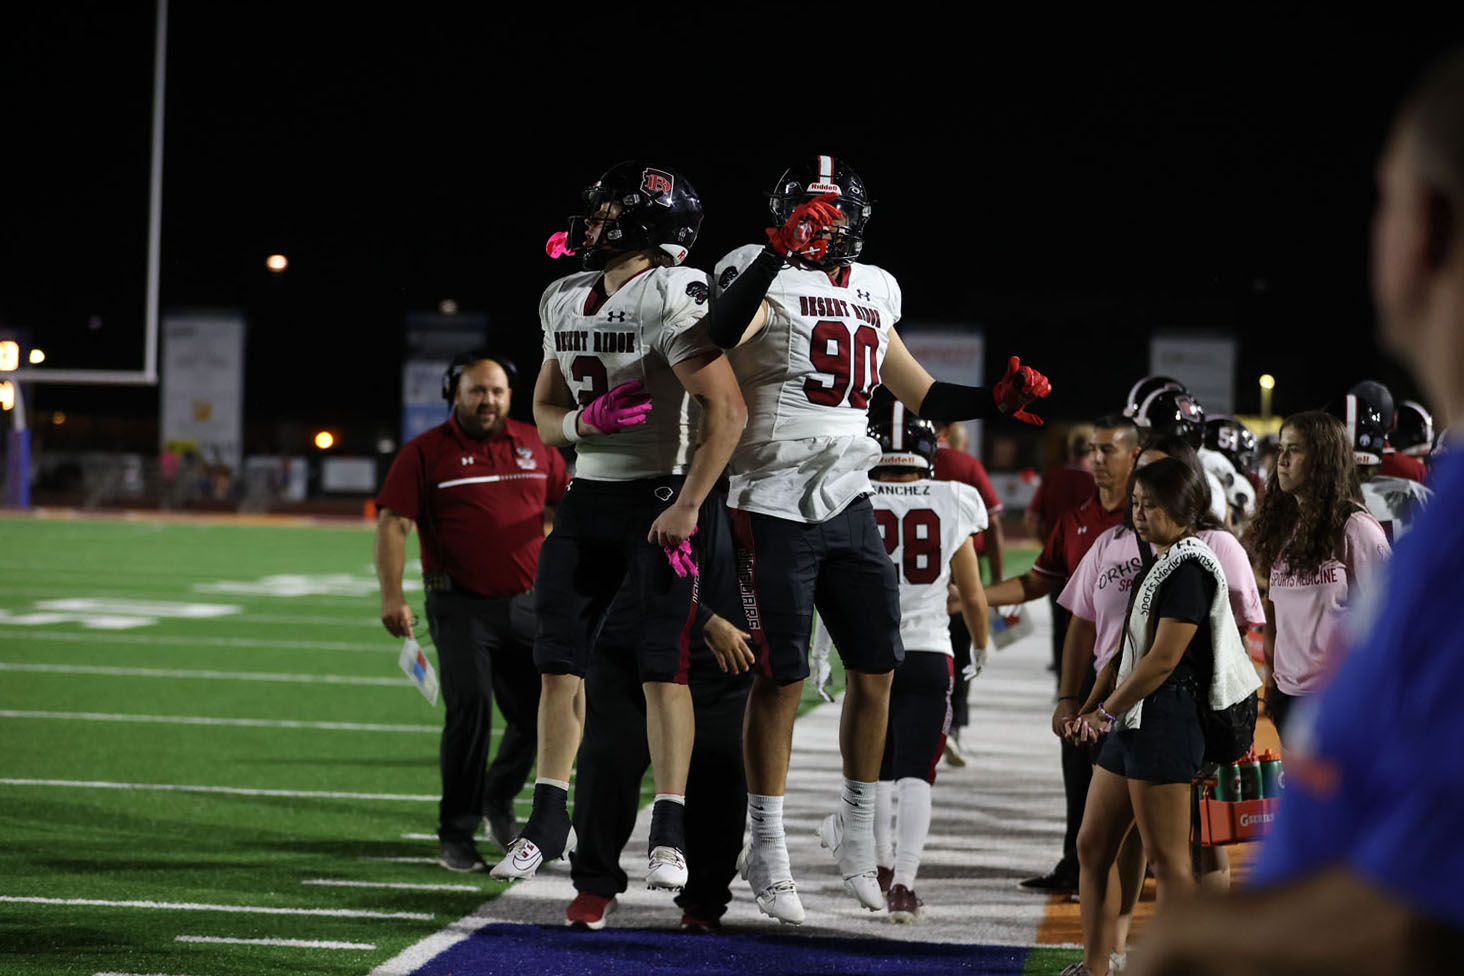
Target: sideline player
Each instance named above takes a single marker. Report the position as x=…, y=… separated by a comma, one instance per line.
x=1395, y=502
x=811, y=333
x=927, y=527
x=626, y=372
x=478, y=477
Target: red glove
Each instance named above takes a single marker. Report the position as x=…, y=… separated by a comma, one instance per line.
x=1019, y=387
x=798, y=237
x=625, y=406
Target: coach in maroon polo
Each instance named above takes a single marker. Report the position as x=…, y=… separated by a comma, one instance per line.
x=479, y=488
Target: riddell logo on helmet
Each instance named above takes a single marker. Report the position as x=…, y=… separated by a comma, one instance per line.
x=824, y=188
x=660, y=183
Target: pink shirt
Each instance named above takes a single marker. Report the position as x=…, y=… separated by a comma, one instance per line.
x=1099, y=588
x=1310, y=609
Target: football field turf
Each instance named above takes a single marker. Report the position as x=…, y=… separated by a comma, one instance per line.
x=213, y=764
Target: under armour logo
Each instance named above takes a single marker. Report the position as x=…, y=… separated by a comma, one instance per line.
x=863, y=295
x=1082, y=530
x=615, y=316
x=467, y=460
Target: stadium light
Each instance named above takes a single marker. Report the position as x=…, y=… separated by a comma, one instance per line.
x=36, y=357
x=324, y=439
x=7, y=395
x=9, y=356
x=277, y=263
x=1268, y=383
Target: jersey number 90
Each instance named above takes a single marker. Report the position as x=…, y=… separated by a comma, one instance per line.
x=854, y=365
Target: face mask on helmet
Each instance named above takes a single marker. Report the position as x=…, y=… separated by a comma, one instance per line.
x=636, y=207
x=820, y=176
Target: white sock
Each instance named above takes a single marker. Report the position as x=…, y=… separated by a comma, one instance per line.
x=884, y=823
x=911, y=828
x=673, y=797
x=857, y=804
x=769, y=842
x=563, y=784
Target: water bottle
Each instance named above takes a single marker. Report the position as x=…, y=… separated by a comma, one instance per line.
x=1273, y=777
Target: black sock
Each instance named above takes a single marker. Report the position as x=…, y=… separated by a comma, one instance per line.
x=548, y=825
x=668, y=825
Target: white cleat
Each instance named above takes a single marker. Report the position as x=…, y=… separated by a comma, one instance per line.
x=775, y=899
x=667, y=869
x=523, y=857
x=862, y=883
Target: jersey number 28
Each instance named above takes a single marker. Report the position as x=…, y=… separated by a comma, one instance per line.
x=917, y=536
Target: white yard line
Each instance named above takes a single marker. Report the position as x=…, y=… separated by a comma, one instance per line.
x=324, y=679
x=251, y=723
x=104, y=637
x=137, y=974
x=401, y=860
x=395, y=885
x=231, y=790
x=292, y=943
x=174, y=906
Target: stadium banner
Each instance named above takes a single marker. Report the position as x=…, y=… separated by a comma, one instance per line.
x=203, y=384
x=955, y=354
x=1202, y=361
x=422, y=406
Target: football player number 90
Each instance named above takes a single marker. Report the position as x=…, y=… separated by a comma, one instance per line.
x=918, y=536
x=831, y=351
x=589, y=368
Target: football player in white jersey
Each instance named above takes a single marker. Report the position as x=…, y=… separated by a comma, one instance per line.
x=1395, y=502
x=927, y=528
x=624, y=359
x=811, y=334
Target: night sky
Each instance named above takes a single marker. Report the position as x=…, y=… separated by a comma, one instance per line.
x=1066, y=191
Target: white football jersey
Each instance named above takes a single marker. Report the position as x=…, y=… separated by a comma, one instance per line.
x=923, y=523
x=1395, y=503
x=638, y=333
x=807, y=378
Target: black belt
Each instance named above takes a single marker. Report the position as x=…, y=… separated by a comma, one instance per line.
x=438, y=583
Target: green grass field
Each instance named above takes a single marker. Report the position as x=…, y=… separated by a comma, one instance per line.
x=207, y=737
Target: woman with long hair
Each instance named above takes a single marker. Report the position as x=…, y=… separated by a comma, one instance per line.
x=1179, y=640
x=1320, y=548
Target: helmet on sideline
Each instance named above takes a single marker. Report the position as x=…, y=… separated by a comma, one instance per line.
x=1171, y=410
x=1141, y=390
x=905, y=440
x=1233, y=439
x=1413, y=430
x=1365, y=427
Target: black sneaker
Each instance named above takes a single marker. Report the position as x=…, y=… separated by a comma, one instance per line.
x=460, y=855
x=503, y=827
x=1062, y=878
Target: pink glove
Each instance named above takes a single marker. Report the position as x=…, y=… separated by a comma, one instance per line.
x=680, y=558
x=555, y=246
x=1019, y=387
x=625, y=406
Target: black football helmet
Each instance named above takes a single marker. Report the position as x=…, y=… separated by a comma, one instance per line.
x=905, y=440
x=1141, y=390
x=659, y=208
x=1413, y=431
x=1171, y=410
x=1379, y=397
x=1365, y=427
x=1233, y=439
x=817, y=176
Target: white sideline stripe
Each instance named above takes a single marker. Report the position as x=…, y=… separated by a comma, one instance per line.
x=177, y=906
x=400, y=886
x=293, y=943
x=105, y=637
x=232, y=790
x=419, y=836
x=399, y=860
x=253, y=723
x=324, y=679
x=414, y=957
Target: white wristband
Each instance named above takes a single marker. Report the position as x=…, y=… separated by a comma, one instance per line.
x=571, y=427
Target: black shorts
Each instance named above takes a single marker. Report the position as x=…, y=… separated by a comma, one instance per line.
x=1169, y=745
x=785, y=569
x=920, y=716
x=599, y=545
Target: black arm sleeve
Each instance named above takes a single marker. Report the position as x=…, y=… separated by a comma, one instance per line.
x=952, y=401
x=732, y=310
